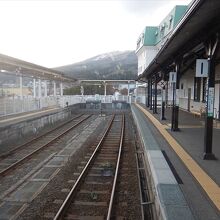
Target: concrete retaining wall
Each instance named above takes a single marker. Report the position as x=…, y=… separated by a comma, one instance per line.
x=96, y=106
x=31, y=126
x=169, y=200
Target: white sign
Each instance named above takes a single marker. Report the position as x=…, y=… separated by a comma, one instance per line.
x=201, y=68
x=172, y=77
x=177, y=97
x=162, y=83
x=211, y=93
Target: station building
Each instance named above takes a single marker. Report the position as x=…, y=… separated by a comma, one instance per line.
x=192, y=91
x=150, y=42
x=152, y=38
x=186, y=44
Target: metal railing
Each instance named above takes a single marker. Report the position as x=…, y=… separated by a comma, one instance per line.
x=15, y=105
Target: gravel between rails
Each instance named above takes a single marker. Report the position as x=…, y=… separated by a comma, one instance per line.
x=16, y=175
x=47, y=203
x=126, y=202
x=127, y=197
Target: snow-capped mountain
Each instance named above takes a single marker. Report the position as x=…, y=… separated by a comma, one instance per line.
x=113, y=65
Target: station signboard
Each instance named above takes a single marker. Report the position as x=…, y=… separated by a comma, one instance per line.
x=201, y=68
x=172, y=77
x=210, y=103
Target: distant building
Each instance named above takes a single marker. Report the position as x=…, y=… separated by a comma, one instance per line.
x=152, y=38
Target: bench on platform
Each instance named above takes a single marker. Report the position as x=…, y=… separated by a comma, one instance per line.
x=196, y=113
x=199, y=113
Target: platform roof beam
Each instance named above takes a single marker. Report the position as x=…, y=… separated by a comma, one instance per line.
x=10, y=65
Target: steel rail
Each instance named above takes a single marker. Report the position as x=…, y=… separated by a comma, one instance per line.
x=37, y=138
x=67, y=201
x=6, y=170
x=139, y=185
x=116, y=170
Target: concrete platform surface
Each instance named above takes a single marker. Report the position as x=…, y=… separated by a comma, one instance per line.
x=16, y=118
x=181, y=154
x=191, y=138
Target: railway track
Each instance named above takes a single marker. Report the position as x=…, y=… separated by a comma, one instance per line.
x=24, y=152
x=92, y=195
x=2, y=156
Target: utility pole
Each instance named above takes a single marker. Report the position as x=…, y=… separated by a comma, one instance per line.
x=212, y=50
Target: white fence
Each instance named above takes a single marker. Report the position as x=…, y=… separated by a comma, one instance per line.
x=66, y=100
x=14, y=105
x=108, y=98
x=143, y=99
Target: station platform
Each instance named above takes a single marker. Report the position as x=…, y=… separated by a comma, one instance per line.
x=19, y=128
x=17, y=118
x=187, y=187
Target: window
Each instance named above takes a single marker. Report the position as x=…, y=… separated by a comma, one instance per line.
x=142, y=38
x=181, y=86
x=138, y=44
x=162, y=29
x=204, y=86
x=197, y=88
x=170, y=21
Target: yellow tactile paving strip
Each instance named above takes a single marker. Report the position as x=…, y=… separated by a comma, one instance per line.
x=186, y=126
x=194, y=126
x=26, y=115
x=209, y=186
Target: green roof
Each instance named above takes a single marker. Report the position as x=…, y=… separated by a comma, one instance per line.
x=153, y=35
x=149, y=35
x=179, y=12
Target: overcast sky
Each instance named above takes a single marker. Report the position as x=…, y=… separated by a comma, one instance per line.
x=54, y=33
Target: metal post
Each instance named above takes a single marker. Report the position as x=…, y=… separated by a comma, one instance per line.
x=104, y=89
x=151, y=96
x=39, y=93
x=173, y=106
x=54, y=89
x=162, y=117
x=5, y=109
x=176, y=116
x=45, y=88
x=128, y=92
x=128, y=87
x=34, y=87
x=212, y=51
x=148, y=93
x=166, y=95
x=61, y=89
x=13, y=104
x=155, y=96
x=175, y=109
x=146, y=89
x=21, y=87
x=176, y=112
x=209, y=115
x=219, y=104
x=39, y=88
